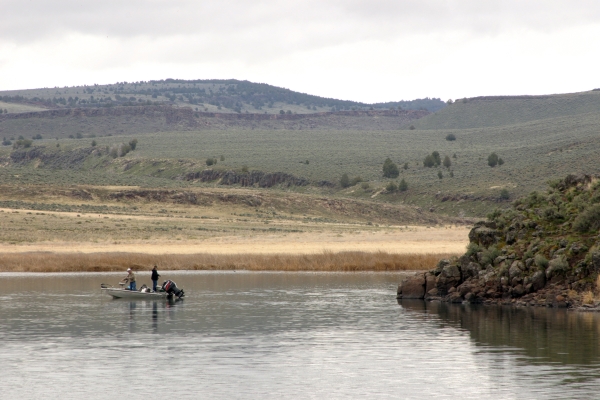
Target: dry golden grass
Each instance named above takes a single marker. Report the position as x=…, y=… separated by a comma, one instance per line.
x=326, y=261
x=588, y=297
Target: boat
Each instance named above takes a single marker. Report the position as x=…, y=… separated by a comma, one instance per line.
x=168, y=290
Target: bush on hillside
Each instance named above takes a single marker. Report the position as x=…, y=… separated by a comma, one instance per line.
x=450, y=137
x=493, y=160
x=403, y=186
x=432, y=160
x=428, y=161
x=391, y=187
x=22, y=143
x=447, y=163
x=390, y=170
x=345, y=181
x=588, y=220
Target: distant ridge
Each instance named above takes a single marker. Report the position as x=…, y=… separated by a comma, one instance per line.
x=223, y=96
x=494, y=111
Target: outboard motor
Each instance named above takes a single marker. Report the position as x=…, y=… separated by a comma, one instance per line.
x=172, y=290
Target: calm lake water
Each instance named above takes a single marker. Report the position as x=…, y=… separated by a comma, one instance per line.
x=275, y=335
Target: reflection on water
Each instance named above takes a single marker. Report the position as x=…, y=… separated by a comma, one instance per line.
x=542, y=334
x=273, y=335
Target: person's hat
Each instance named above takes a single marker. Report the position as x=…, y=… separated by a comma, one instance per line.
x=128, y=269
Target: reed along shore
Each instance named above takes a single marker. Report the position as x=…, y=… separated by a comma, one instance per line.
x=120, y=261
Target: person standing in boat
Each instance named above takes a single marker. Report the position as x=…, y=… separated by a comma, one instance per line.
x=154, y=278
x=131, y=279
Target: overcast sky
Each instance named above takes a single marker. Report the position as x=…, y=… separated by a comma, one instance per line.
x=370, y=51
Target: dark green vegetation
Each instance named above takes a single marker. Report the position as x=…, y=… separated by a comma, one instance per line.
x=175, y=144
x=544, y=250
x=202, y=95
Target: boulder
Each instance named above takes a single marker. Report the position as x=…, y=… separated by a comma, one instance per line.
x=472, y=270
x=430, y=282
x=577, y=248
x=498, y=260
x=518, y=291
x=448, y=278
x=515, y=270
x=511, y=237
x=412, y=287
x=440, y=266
x=538, y=280
x=454, y=298
x=483, y=235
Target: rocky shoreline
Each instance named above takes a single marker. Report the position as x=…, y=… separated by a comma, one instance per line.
x=543, y=252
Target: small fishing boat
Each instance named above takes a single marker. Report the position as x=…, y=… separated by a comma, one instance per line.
x=168, y=290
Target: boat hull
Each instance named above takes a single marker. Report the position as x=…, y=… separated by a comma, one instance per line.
x=132, y=294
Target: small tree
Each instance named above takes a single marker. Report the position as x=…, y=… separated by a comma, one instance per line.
x=447, y=163
x=210, y=161
x=403, y=186
x=405, y=165
x=437, y=158
x=94, y=143
x=493, y=160
x=429, y=161
x=440, y=175
x=222, y=158
x=450, y=137
x=391, y=187
x=504, y=195
x=500, y=161
x=133, y=143
x=390, y=170
x=412, y=127
x=345, y=181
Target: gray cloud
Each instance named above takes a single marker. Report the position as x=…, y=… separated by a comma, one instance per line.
x=293, y=20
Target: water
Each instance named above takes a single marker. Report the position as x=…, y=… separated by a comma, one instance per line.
x=275, y=335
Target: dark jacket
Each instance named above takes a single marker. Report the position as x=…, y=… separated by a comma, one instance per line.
x=155, y=275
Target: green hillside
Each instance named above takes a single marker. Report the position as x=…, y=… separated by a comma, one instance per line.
x=537, y=138
x=223, y=96
x=532, y=152
x=491, y=111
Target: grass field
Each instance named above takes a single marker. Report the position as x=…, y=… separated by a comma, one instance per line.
x=12, y=108
x=534, y=152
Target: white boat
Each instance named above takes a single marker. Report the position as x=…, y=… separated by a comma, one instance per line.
x=121, y=293
x=168, y=290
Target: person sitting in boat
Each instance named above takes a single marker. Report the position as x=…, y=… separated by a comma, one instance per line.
x=154, y=278
x=131, y=279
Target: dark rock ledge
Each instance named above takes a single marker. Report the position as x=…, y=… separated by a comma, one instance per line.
x=542, y=252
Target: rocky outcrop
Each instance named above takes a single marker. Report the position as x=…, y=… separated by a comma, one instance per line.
x=412, y=287
x=538, y=253
x=254, y=178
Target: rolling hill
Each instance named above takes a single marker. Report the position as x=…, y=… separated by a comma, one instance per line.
x=215, y=96
x=538, y=137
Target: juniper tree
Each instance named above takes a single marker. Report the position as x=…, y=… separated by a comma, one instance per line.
x=390, y=170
